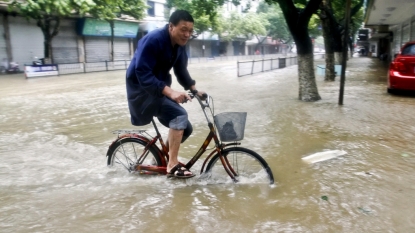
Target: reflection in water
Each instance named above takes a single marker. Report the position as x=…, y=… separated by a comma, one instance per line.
x=55, y=131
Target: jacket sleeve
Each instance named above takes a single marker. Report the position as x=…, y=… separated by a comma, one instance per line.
x=181, y=72
x=146, y=60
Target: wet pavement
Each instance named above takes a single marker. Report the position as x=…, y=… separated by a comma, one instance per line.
x=54, y=133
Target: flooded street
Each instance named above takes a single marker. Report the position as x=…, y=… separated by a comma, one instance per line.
x=55, y=131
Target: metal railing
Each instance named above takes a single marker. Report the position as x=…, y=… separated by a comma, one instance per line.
x=262, y=65
x=73, y=68
x=266, y=64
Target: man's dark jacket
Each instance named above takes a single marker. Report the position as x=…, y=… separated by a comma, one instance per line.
x=149, y=73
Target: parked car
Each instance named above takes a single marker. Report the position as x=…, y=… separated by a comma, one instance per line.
x=401, y=74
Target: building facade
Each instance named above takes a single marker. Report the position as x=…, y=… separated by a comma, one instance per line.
x=89, y=40
x=391, y=24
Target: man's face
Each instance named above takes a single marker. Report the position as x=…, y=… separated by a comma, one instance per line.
x=180, y=33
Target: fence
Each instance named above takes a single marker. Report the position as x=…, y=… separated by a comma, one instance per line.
x=266, y=64
x=73, y=68
x=256, y=66
x=260, y=63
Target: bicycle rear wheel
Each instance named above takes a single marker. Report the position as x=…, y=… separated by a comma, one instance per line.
x=128, y=152
x=248, y=165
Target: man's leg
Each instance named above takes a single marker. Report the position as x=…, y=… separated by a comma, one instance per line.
x=174, y=140
x=173, y=116
x=176, y=130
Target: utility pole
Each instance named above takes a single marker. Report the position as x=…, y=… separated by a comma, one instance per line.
x=345, y=53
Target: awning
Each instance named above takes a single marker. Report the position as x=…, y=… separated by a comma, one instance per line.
x=377, y=36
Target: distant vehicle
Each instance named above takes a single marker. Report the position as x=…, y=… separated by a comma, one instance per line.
x=12, y=68
x=401, y=74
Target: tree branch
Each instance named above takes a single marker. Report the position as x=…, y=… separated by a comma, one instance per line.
x=311, y=7
x=356, y=8
x=56, y=27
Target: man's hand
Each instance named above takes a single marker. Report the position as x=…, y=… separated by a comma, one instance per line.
x=176, y=96
x=202, y=95
x=180, y=97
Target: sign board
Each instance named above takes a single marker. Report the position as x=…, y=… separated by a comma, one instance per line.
x=41, y=70
x=95, y=27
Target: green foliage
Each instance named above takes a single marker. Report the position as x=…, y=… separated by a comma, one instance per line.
x=277, y=27
x=244, y=26
x=32, y=9
x=112, y=9
x=314, y=24
x=204, y=12
x=339, y=11
x=48, y=14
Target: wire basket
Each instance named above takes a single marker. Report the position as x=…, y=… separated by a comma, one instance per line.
x=230, y=125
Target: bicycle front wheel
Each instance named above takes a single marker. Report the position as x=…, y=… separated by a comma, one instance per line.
x=249, y=166
x=128, y=152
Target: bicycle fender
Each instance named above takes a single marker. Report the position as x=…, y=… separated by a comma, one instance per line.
x=120, y=137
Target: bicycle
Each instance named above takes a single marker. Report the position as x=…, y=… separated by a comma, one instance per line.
x=137, y=151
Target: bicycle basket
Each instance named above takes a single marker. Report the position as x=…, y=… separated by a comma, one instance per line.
x=230, y=125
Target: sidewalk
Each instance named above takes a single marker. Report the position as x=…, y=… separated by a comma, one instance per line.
x=361, y=68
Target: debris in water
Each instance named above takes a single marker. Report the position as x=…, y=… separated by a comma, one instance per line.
x=323, y=156
x=365, y=211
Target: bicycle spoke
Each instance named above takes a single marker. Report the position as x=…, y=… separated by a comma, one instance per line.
x=247, y=166
x=128, y=151
x=127, y=158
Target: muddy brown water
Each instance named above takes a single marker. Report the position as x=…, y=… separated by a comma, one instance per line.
x=54, y=133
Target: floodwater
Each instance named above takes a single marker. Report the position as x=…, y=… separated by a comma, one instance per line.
x=54, y=133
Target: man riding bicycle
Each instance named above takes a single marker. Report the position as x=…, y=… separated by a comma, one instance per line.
x=148, y=84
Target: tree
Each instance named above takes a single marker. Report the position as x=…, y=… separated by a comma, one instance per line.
x=48, y=14
x=204, y=13
x=245, y=26
x=332, y=20
x=110, y=10
x=298, y=19
x=330, y=38
x=276, y=28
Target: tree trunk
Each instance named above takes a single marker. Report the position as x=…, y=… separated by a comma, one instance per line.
x=7, y=38
x=112, y=39
x=330, y=74
x=297, y=22
x=49, y=32
x=44, y=24
x=338, y=58
x=307, y=81
x=330, y=67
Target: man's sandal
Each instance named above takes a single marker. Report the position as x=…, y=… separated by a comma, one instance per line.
x=179, y=171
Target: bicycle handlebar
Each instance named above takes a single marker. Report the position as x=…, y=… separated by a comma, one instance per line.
x=205, y=97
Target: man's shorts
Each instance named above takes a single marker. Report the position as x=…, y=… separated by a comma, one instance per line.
x=174, y=116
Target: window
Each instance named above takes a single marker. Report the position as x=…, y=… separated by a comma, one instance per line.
x=409, y=50
x=150, y=10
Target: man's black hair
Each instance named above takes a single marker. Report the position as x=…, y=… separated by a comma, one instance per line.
x=180, y=15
